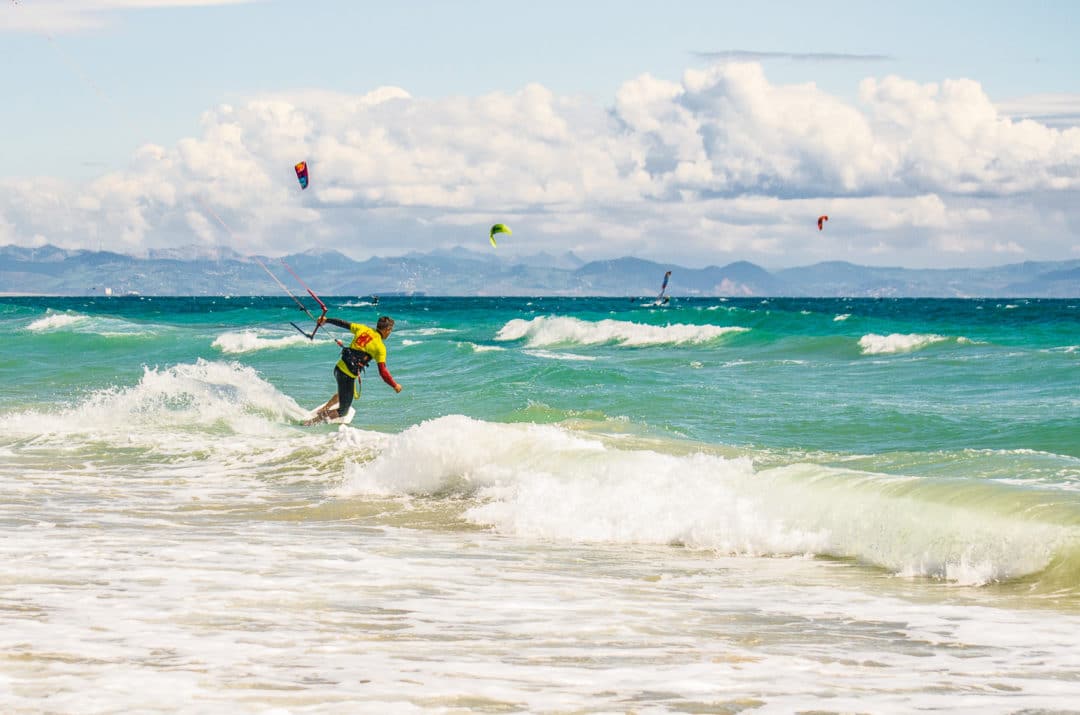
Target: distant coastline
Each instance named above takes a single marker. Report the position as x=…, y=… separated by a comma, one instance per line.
x=52, y=271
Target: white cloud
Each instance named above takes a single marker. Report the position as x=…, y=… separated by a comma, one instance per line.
x=953, y=243
x=1061, y=111
x=952, y=139
x=1008, y=247
x=721, y=165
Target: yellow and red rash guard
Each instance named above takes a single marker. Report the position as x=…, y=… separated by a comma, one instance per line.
x=368, y=341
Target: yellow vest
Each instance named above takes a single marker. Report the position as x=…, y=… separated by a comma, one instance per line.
x=365, y=340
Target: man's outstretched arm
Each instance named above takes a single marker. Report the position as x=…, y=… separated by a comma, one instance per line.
x=387, y=378
x=336, y=321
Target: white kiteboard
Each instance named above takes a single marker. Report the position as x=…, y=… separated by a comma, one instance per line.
x=343, y=420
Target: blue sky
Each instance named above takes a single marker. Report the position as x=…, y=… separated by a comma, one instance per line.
x=933, y=134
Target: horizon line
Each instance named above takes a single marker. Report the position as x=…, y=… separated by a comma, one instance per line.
x=234, y=255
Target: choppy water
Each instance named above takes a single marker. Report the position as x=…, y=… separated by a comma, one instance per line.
x=576, y=505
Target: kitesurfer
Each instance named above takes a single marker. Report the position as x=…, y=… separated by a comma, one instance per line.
x=366, y=345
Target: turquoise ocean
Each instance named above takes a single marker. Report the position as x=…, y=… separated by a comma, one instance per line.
x=576, y=505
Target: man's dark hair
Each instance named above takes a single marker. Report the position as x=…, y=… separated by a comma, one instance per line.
x=384, y=322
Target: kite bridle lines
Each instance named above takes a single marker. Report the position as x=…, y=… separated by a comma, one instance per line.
x=300, y=303
x=301, y=175
x=322, y=306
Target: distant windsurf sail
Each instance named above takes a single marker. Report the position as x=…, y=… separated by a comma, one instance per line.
x=661, y=298
x=663, y=287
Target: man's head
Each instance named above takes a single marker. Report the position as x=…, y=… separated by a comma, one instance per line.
x=385, y=325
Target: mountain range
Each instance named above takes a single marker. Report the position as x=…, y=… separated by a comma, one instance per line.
x=49, y=270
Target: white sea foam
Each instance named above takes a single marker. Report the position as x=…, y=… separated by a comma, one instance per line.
x=874, y=344
x=86, y=325
x=553, y=330
x=427, y=332
x=546, y=482
x=406, y=342
x=222, y=578
x=249, y=341
x=186, y=397
x=56, y=321
x=841, y=317
x=482, y=348
x=283, y=616
x=552, y=355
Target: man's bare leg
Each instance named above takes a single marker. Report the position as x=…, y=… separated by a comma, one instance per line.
x=325, y=413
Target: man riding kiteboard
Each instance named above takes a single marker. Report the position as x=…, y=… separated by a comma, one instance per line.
x=366, y=345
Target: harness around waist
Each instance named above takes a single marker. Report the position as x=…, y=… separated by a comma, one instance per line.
x=355, y=360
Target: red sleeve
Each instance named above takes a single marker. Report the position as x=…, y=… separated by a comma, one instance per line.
x=385, y=375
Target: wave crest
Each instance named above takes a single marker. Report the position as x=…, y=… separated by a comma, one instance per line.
x=248, y=341
x=56, y=321
x=550, y=482
x=874, y=344
x=198, y=397
x=546, y=331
